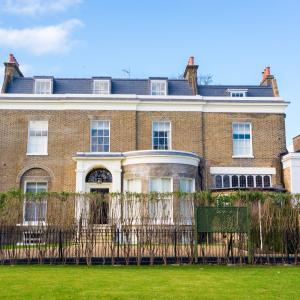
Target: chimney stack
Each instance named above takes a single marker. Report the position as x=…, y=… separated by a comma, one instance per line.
x=269, y=80
x=11, y=70
x=296, y=143
x=190, y=74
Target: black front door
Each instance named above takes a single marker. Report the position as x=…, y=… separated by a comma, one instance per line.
x=99, y=207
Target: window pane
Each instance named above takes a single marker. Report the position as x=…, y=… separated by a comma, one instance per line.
x=226, y=181
x=218, y=181
x=250, y=181
x=267, y=182
x=258, y=181
x=242, y=181
x=235, y=181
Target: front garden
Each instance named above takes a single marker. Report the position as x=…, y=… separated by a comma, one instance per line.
x=158, y=282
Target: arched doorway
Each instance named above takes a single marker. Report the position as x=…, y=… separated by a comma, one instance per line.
x=99, y=181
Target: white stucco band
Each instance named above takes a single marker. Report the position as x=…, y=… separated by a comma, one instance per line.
x=242, y=171
x=85, y=165
x=292, y=161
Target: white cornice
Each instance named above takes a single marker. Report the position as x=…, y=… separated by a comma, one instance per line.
x=142, y=103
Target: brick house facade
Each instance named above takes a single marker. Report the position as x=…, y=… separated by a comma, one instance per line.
x=154, y=134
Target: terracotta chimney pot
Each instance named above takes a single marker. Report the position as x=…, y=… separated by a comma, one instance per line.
x=191, y=61
x=11, y=58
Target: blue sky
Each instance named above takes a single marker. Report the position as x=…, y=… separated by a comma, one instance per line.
x=233, y=40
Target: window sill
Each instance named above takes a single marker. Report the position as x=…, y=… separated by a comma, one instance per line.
x=35, y=154
x=242, y=156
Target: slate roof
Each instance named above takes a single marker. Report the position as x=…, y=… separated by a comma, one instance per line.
x=176, y=87
x=222, y=90
x=25, y=85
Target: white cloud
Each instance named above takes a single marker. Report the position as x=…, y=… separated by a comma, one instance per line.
x=40, y=40
x=34, y=7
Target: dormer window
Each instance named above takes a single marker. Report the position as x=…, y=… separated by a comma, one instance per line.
x=101, y=86
x=43, y=86
x=158, y=87
x=237, y=92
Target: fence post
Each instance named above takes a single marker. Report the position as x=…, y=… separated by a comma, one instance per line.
x=118, y=243
x=250, y=244
x=195, y=236
x=175, y=243
x=60, y=246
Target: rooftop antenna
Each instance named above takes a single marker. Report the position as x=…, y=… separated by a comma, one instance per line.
x=127, y=71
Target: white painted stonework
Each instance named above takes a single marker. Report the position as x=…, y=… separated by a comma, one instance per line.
x=292, y=161
x=142, y=103
x=242, y=171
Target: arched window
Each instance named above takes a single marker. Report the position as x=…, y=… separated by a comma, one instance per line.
x=99, y=176
x=258, y=181
x=250, y=181
x=243, y=181
x=267, y=181
x=218, y=181
x=235, y=181
x=226, y=181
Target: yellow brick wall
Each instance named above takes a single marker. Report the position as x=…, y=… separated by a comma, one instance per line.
x=207, y=134
x=268, y=140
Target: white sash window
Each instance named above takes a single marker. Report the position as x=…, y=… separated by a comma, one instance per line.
x=37, y=138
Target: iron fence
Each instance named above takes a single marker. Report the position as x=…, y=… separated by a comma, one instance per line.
x=144, y=245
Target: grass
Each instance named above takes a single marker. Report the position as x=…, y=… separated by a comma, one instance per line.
x=158, y=282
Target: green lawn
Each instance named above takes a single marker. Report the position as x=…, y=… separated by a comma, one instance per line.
x=158, y=282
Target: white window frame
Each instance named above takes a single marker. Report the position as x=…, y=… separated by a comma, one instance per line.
x=238, y=93
x=91, y=128
x=107, y=92
x=158, y=81
x=33, y=223
x=43, y=80
x=170, y=137
x=159, y=219
x=187, y=219
x=190, y=179
x=129, y=179
x=250, y=155
x=28, y=139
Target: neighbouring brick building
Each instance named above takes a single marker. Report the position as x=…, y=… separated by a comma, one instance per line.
x=156, y=134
